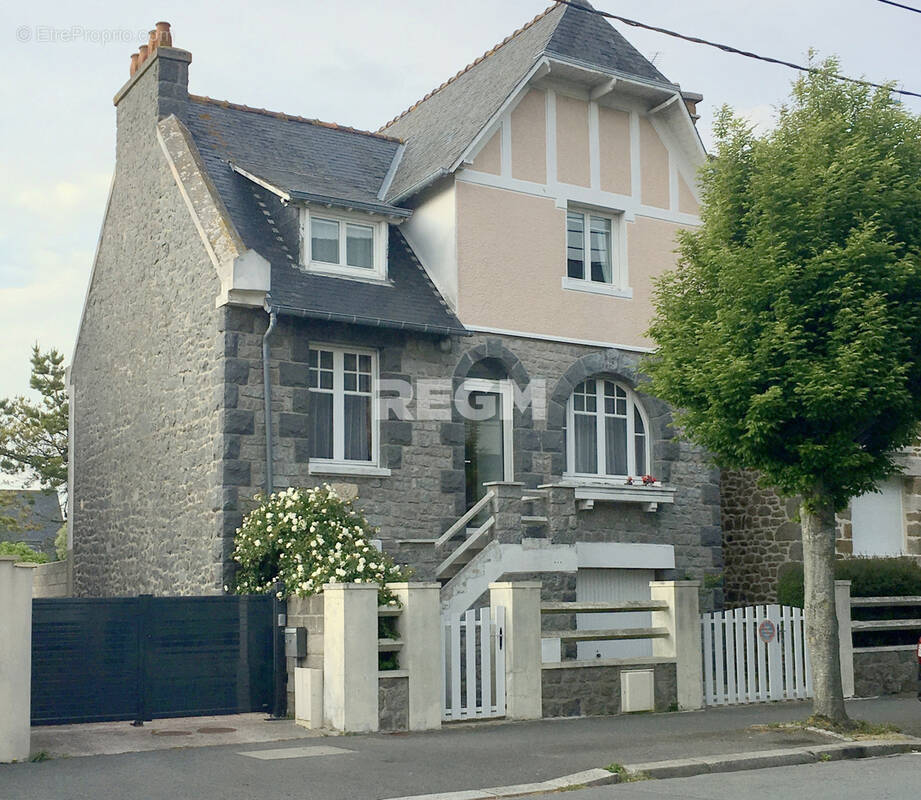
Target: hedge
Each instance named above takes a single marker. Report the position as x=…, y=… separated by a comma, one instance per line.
x=869, y=577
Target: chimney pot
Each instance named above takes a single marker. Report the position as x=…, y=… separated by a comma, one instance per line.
x=151, y=42
x=164, y=35
x=142, y=54
x=134, y=64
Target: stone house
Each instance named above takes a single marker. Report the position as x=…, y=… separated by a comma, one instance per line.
x=444, y=317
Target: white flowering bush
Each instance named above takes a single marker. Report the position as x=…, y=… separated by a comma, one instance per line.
x=306, y=538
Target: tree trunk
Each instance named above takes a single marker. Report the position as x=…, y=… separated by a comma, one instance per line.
x=821, y=618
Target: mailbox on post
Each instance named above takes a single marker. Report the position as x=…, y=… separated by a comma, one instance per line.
x=296, y=642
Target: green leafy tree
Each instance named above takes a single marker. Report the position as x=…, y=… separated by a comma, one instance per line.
x=23, y=552
x=789, y=336
x=33, y=434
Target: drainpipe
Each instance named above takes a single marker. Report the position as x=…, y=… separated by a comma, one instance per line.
x=267, y=395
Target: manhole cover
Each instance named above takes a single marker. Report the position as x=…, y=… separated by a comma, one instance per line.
x=171, y=733
x=217, y=729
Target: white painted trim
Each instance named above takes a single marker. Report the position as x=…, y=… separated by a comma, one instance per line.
x=630, y=348
x=388, y=178
x=593, y=287
x=636, y=178
x=540, y=69
x=261, y=182
x=662, y=106
x=503, y=388
x=563, y=194
x=551, y=137
x=678, y=157
x=376, y=274
x=594, y=146
x=338, y=392
x=505, y=146
x=618, y=555
x=318, y=466
x=602, y=89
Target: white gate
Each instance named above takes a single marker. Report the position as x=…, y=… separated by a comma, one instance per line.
x=473, y=657
x=754, y=655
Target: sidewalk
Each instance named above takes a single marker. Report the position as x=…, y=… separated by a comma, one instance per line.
x=461, y=758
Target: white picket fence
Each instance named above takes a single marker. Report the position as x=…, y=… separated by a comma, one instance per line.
x=473, y=657
x=754, y=655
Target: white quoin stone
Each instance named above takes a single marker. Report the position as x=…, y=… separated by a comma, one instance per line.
x=521, y=601
x=350, y=696
x=845, y=642
x=682, y=620
x=419, y=626
x=15, y=659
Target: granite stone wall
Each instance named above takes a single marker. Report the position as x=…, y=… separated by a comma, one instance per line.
x=147, y=376
x=393, y=703
x=424, y=494
x=577, y=690
x=885, y=670
x=761, y=532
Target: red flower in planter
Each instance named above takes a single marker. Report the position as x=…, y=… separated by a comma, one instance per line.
x=648, y=480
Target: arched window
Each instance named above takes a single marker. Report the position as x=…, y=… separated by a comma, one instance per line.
x=607, y=432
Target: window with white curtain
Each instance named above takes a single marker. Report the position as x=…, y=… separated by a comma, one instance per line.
x=596, y=253
x=343, y=425
x=344, y=244
x=607, y=431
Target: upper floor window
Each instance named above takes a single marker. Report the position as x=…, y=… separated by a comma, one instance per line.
x=344, y=244
x=343, y=424
x=606, y=431
x=594, y=257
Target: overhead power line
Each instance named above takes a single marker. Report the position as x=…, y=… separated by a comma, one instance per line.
x=736, y=51
x=901, y=5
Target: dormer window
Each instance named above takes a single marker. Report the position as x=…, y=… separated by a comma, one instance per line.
x=346, y=244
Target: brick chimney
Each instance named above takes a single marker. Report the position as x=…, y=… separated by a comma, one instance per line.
x=691, y=99
x=160, y=69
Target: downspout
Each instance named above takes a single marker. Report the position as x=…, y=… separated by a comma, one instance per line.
x=267, y=396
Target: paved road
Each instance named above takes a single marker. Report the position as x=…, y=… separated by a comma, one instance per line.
x=382, y=766
x=893, y=778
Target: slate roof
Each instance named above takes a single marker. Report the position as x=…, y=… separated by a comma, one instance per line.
x=37, y=512
x=441, y=126
x=296, y=154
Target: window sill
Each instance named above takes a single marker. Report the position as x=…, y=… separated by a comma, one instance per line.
x=589, y=491
x=593, y=287
x=364, y=274
x=319, y=467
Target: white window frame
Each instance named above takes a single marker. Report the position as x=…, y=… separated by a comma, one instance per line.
x=619, y=285
x=338, y=464
x=378, y=272
x=503, y=388
x=600, y=433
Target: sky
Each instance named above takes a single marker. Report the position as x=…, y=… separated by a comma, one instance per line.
x=355, y=62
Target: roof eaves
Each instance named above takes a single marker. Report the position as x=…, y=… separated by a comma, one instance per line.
x=379, y=322
x=627, y=77
x=350, y=205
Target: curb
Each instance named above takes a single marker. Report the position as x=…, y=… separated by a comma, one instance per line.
x=736, y=762
x=688, y=767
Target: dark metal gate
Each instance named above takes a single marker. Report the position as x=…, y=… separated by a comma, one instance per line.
x=142, y=658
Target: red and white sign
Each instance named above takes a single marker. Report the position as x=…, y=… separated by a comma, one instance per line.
x=767, y=630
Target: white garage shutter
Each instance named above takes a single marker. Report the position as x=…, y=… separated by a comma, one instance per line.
x=614, y=586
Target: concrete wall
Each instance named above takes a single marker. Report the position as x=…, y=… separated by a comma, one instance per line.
x=147, y=380
x=305, y=612
x=15, y=659
x=54, y=579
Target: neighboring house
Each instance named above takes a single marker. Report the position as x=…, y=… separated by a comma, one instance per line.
x=36, y=518
x=494, y=244
x=761, y=531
